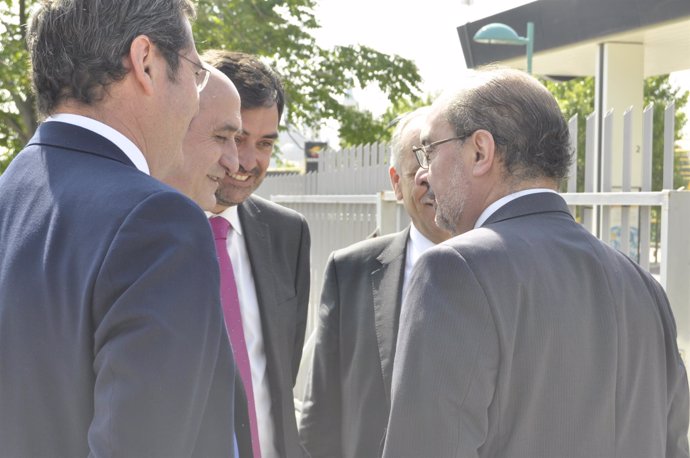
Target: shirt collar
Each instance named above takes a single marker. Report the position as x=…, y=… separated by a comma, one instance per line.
x=125, y=144
x=231, y=215
x=491, y=209
x=419, y=241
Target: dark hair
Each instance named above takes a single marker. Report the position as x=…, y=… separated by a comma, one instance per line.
x=77, y=46
x=258, y=84
x=528, y=127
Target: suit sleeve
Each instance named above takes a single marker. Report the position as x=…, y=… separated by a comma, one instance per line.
x=446, y=362
x=678, y=394
x=302, y=288
x=162, y=360
x=320, y=429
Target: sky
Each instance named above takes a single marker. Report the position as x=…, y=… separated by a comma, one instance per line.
x=425, y=33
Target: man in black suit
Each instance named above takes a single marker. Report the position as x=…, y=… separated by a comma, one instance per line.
x=111, y=334
x=347, y=397
x=268, y=246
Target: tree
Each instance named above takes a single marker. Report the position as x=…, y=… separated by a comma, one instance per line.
x=576, y=97
x=659, y=91
x=382, y=129
x=17, y=111
x=316, y=79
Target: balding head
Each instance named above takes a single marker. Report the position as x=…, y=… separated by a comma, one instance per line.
x=209, y=150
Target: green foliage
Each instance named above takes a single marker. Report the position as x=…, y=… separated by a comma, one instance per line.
x=659, y=91
x=316, y=79
x=362, y=124
x=17, y=114
x=576, y=97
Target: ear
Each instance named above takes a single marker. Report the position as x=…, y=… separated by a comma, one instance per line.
x=142, y=63
x=485, y=152
x=395, y=182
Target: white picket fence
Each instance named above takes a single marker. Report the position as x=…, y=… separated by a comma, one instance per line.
x=349, y=198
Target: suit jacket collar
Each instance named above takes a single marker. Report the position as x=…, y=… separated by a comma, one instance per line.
x=259, y=248
x=68, y=136
x=527, y=205
x=257, y=238
x=386, y=282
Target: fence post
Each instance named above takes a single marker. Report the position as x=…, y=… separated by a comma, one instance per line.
x=588, y=219
x=669, y=144
x=626, y=183
x=645, y=212
x=606, y=175
x=675, y=260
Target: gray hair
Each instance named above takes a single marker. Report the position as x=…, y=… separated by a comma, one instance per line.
x=77, y=46
x=397, y=146
x=528, y=127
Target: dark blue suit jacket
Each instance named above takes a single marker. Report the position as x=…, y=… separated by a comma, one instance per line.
x=111, y=335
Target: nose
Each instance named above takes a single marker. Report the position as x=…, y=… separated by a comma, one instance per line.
x=229, y=158
x=247, y=156
x=421, y=178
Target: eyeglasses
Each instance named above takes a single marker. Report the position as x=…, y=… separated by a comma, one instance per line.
x=422, y=152
x=201, y=74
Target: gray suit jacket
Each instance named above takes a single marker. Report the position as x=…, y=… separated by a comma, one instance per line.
x=347, y=398
x=278, y=243
x=530, y=338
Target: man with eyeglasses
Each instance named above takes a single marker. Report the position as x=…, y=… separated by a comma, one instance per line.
x=526, y=336
x=112, y=340
x=347, y=398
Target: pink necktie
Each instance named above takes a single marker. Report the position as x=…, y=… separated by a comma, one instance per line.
x=233, y=321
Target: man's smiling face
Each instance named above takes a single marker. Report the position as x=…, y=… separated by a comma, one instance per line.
x=254, y=145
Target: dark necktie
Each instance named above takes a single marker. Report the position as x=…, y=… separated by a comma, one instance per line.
x=233, y=321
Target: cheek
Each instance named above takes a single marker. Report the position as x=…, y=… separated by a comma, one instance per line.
x=263, y=158
x=418, y=192
x=210, y=155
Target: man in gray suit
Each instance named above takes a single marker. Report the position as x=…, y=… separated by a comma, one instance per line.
x=268, y=247
x=526, y=336
x=347, y=397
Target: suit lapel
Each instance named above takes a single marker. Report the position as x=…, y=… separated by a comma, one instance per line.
x=258, y=241
x=260, y=251
x=386, y=281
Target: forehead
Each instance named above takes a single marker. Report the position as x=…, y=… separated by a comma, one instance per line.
x=260, y=121
x=435, y=123
x=219, y=104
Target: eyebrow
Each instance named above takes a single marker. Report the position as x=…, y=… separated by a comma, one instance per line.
x=231, y=128
x=271, y=136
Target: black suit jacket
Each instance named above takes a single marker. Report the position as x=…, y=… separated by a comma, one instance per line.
x=278, y=244
x=347, y=397
x=111, y=334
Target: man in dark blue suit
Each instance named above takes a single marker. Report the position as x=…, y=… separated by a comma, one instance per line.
x=111, y=333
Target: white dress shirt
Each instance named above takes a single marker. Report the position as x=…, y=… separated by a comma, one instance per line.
x=251, y=324
x=491, y=209
x=416, y=245
x=125, y=144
